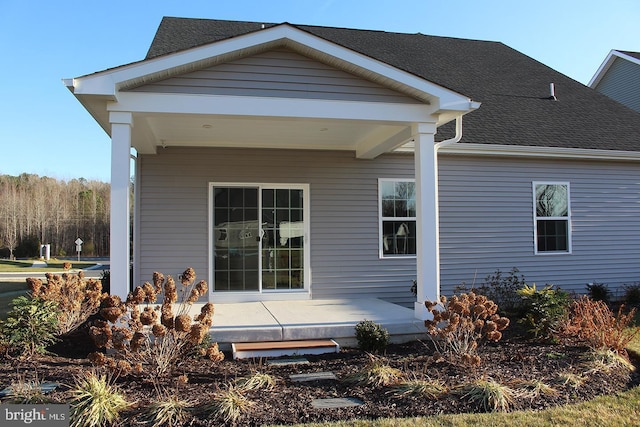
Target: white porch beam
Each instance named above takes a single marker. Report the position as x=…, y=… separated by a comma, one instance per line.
x=427, y=228
x=166, y=103
x=375, y=145
x=121, y=124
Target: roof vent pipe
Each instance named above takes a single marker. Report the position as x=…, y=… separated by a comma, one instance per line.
x=552, y=92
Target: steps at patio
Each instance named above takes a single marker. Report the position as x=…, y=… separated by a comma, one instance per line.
x=247, y=350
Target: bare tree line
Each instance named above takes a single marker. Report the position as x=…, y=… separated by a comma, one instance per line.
x=38, y=210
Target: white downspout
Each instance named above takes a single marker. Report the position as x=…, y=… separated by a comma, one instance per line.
x=456, y=138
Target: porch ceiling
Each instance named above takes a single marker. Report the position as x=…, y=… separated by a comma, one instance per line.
x=152, y=131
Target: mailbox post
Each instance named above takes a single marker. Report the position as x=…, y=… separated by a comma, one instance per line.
x=79, y=243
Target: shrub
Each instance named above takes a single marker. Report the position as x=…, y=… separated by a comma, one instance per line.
x=461, y=323
x=31, y=326
x=152, y=340
x=544, y=310
x=503, y=290
x=77, y=298
x=95, y=401
x=595, y=323
x=599, y=292
x=422, y=388
x=632, y=294
x=371, y=336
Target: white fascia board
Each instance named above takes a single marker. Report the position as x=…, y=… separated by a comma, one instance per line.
x=547, y=152
x=139, y=102
x=109, y=81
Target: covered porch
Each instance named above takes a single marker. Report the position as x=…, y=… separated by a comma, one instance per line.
x=309, y=320
x=349, y=103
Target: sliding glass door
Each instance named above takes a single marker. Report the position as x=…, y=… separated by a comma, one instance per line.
x=258, y=238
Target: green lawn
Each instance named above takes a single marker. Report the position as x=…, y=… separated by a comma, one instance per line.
x=53, y=266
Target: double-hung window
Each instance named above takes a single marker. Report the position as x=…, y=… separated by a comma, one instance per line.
x=397, y=204
x=552, y=217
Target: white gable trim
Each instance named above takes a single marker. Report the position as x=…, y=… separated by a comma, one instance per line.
x=611, y=57
x=110, y=82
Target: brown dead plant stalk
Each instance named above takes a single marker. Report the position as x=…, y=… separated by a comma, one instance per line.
x=595, y=323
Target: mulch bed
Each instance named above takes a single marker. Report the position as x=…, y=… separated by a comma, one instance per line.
x=290, y=402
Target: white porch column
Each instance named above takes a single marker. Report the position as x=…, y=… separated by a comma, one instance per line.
x=427, y=244
x=121, y=124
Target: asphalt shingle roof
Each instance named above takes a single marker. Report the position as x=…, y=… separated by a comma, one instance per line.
x=512, y=87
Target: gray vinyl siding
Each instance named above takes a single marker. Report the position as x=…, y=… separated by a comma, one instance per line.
x=279, y=73
x=622, y=83
x=344, y=213
x=486, y=221
x=486, y=217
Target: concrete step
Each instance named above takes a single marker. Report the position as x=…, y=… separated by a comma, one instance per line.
x=247, y=350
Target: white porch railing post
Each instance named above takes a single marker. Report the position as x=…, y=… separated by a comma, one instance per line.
x=427, y=244
x=121, y=124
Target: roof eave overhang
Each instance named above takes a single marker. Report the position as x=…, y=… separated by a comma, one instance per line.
x=96, y=90
x=607, y=63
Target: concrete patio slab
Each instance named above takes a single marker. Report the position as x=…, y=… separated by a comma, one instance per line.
x=310, y=319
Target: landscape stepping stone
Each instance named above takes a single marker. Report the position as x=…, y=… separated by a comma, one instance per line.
x=287, y=362
x=332, y=403
x=313, y=376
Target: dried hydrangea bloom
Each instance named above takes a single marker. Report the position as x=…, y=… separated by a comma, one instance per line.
x=170, y=291
x=120, y=337
x=137, y=368
x=81, y=274
x=214, y=353
x=188, y=276
x=66, y=266
x=166, y=316
x=97, y=358
x=502, y=323
x=123, y=367
x=112, y=301
x=101, y=336
x=148, y=316
x=193, y=296
x=112, y=314
x=136, y=297
x=158, y=280
x=197, y=333
x=182, y=380
x=34, y=285
x=150, y=292
x=202, y=287
x=159, y=330
x=137, y=341
x=206, y=314
x=183, y=323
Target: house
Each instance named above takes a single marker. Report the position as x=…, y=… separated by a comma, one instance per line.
x=293, y=162
x=619, y=78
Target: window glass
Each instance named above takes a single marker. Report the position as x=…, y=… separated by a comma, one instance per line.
x=552, y=218
x=398, y=218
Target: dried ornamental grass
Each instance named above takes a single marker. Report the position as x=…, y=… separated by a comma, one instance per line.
x=493, y=396
x=257, y=381
x=376, y=373
x=230, y=404
x=426, y=388
x=95, y=401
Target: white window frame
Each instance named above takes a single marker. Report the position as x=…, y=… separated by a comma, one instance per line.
x=567, y=218
x=262, y=294
x=382, y=219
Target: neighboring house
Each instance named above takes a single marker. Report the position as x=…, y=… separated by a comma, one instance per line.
x=619, y=78
x=290, y=162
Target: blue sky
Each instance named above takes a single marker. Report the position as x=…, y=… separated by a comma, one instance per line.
x=44, y=130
